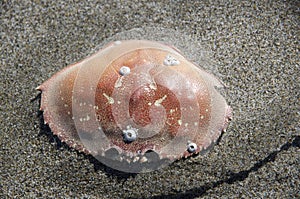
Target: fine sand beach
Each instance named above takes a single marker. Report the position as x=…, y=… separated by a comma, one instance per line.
x=254, y=48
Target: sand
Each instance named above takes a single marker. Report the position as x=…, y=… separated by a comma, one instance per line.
x=256, y=47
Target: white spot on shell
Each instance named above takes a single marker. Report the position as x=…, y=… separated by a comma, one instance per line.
x=96, y=107
x=135, y=159
x=143, y=159
x=119, y=82
x=171, y=61
x=159, y=101
x=179, y=122
x=153, y=86
x=109, y=99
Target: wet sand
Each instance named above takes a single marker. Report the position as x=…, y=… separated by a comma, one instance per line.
x=256, y=47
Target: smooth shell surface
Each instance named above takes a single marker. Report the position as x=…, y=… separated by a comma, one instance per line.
x=134, y=98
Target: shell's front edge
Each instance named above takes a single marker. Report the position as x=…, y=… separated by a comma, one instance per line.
x=135, y=102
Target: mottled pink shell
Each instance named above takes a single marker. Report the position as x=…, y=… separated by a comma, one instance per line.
x=168, y=100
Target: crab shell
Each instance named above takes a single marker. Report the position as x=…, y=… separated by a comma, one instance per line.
x=140, y=86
